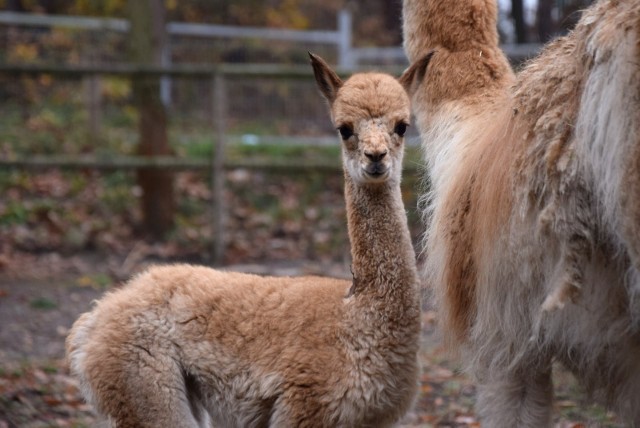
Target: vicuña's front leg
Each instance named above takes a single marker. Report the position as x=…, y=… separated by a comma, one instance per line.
x=520, y=399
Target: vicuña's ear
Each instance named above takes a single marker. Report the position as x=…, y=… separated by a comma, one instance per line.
x=415, y=72
x=327, y=79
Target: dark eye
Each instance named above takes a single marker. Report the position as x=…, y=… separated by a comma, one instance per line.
x=345, y=132
x=400, y=128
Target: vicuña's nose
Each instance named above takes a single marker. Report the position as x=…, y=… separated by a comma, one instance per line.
x=376, y=156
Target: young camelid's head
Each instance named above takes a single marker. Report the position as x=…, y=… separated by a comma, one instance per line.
x=371, y=111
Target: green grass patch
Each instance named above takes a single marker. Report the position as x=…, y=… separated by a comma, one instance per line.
x=98, y=281
x=50, y=369
x=43, y=303
x=14, y=213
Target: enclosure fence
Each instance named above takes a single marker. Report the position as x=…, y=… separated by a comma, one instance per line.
x=349, y=58
x=216, y=165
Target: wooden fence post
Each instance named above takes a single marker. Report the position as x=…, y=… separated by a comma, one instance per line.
x=92, y=95
x=146, y=37
x=217, y=167
x=345, y=58
x=93, y=104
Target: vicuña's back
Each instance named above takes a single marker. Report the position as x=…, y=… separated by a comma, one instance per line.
x=187, y=346
x=533, y=220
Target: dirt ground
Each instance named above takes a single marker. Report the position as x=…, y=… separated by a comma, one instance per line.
x=38, y=308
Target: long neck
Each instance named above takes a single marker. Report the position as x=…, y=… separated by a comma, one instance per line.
x=383, y=260
x=433, y=24
x=468, y=64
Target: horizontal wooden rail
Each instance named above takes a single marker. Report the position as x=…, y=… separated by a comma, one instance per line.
x=129, y=70
x=173, y=28
x=191, y=71
x=167, y=162
x=156, y=162
x=341, y=37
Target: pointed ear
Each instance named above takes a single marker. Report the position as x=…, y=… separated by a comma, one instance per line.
x=415, y=72
x=327, y=79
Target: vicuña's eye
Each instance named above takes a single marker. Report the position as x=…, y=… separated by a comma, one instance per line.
x=345, y=131
x=400, y=128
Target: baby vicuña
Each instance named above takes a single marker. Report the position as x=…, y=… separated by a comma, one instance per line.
x=187, y=346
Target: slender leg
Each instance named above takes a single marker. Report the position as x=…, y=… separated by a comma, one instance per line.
x=143, y=390
x=517, y=400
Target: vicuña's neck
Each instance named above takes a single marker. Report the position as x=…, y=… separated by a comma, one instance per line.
x=464, y=40
x=433, y=24
x=383, y=260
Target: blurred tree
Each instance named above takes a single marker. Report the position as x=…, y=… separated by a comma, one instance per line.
x=392, y=13
x=15, y=6
x=556, y=17
x=146, y=41
x=273, y=13
x=517, y=13
x=49, y=6
x=286, y=14
x=99, y=8
x=552, y=18
x=377, y=23
x=544, y=21
x=570, y=12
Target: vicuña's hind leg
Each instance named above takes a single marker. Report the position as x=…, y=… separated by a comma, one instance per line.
x=627, y=398
x=144, y=388
x=523, y=399
x=613, y=378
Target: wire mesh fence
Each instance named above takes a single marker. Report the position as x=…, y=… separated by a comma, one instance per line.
x=68, y=101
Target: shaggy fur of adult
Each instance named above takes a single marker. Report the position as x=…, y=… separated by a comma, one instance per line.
x=186, y=346
x=533, y=236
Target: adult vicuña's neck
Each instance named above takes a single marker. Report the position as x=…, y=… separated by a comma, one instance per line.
x=433, y=24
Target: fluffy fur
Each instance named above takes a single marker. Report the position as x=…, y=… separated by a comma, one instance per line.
x=186, y=346
x=533, y=220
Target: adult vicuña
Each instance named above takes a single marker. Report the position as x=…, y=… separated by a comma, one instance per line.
x=533, y=237
x=185, y=346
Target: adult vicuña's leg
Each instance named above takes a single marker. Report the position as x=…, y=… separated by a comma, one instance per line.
x=522, y=399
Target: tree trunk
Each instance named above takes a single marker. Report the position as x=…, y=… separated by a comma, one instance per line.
x=517, y=13
x=146, y=40
x=48, y=6
x=392, y=14
x=571, y=12
x=545, y=24
x=15, y=6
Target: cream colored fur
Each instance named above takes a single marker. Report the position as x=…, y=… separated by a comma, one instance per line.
x=187, y=346
x=533, y=236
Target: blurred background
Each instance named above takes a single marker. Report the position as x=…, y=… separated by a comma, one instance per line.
x=151, y=131
x=192, y=130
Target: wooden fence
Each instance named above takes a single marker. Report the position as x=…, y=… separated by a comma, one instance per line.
x=341, y=38
x=217, y=75
x=349, y=56
x=216, y=165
